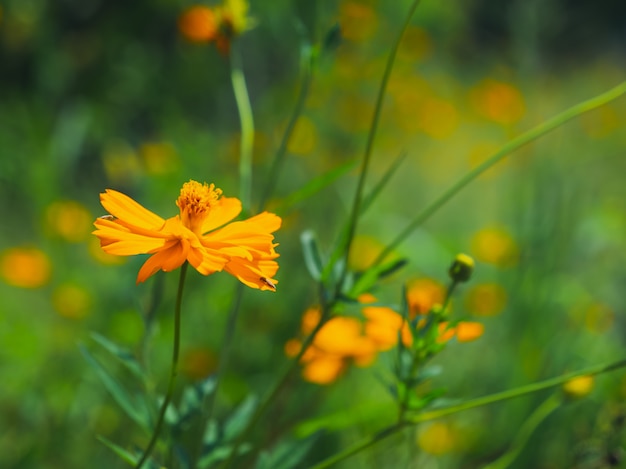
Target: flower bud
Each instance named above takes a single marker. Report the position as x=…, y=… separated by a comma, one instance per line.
x=462, y=268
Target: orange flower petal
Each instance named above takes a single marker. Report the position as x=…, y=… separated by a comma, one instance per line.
x=224, y=211
x=323, y=370
x=126, y=209
x=252, y=273
x=166, y=260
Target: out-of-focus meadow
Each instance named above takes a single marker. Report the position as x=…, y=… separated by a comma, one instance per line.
x=98, y=95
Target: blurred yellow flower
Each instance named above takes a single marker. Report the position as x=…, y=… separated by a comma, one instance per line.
x=121, y=163
x=437, y=118
x=71, y=301
x=486, y=299
x=244, y=249
x=365, y=249
x=578, y=387
x=159, y=157
x=25, y=267
x=423, y=294
x=304, y=137
x=498, y=101
x=495, y=246
x=599, y=317
x=69, y=220
x=358, y=21
x=437, y=438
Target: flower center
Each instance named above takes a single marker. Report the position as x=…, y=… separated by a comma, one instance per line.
x=195, y=203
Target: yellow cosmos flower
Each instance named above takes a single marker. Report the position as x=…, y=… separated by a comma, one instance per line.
x=201, y=234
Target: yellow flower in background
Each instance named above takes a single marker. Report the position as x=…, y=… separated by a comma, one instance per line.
x=25, y=267
x=159, y=157
x=498, y=101
x=121, y=162
x=437, y=118
x=358, y=22
x=365, y=249
x=486, y=299
x=437, y=438
x=423, y=294
x=71, y=301
x=495, y=246
x=578, y=387
x=244, y=249
x=69, y=220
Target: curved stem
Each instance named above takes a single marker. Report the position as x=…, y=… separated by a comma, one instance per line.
x=539, y=415
x=358, y=197
x=174, y=369
x=246, y=120
x=481, y=401
x=513, y=145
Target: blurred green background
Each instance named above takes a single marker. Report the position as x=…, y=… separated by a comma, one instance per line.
x=100, y=94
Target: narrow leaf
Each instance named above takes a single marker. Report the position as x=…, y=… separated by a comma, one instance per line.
x=121, y=452
x=133, y=407
x=287, y=454
x=311, y=252
x=315, y=185
x=238, y=420
x=124, y=355
x=375, y=192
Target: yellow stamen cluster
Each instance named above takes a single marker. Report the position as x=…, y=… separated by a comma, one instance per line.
x=195, y=203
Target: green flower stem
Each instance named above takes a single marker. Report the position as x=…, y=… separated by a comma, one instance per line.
x=247, y=127
x=174, y=370
x=277, y=163
x=473, y=403
x=271, y=396
x=358, y=197
x=229, y=333
x=530, y=425
x=510, y=147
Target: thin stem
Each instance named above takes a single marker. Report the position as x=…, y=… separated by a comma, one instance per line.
x=481, y=401
x=174, y=370
x=510, y=147
x=277, y=163
x=539, y=415
x=358, y=197
x=247, y=126
x=278, y=387
x=229, y=333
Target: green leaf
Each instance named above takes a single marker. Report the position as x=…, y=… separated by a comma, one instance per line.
x=312, y=256
x=375, y=192
x=121, y=452
x=239, y=418
x=124, y=355
x=368, y=279
x=215, y=455
x=315, y=185
x=135, y=408
x=194, y=396
x=287, y=454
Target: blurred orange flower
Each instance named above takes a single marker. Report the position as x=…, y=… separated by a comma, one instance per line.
x=25, y=267
x=245, y=249
x=199, y=24
x=423, y=294
x=221, y=24
x=486, y=299
x=69, y=220
x=465, y=331
x=501, y=102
